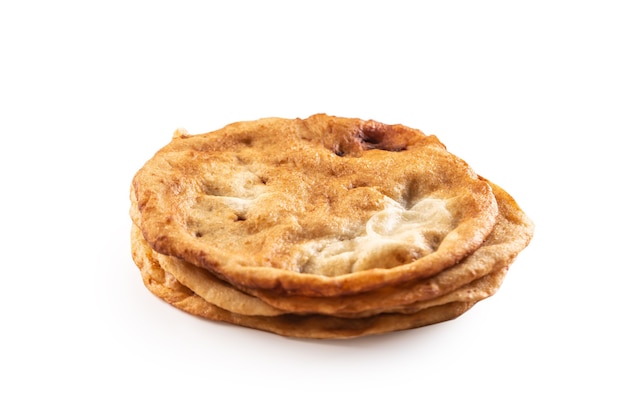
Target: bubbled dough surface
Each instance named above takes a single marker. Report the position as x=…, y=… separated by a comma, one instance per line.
x=390, y=237
x=286, y=204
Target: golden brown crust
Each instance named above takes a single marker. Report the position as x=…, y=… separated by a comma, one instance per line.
x=256, y=201
x=325, y=227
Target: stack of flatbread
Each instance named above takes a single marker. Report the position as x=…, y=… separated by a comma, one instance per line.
x=323, y=227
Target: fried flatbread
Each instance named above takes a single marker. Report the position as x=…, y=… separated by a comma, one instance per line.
x=323, y=206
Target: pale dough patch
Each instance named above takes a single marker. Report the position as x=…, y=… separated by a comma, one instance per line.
x=391, y=237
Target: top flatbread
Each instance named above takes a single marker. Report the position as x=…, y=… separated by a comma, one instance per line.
x=323, y=206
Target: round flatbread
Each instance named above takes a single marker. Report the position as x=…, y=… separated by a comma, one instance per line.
x=323, y=206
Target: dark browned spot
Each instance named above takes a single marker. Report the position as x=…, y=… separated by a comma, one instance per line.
x=246, y=139
x=338, y=150
x=380, y=136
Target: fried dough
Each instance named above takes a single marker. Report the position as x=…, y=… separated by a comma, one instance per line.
x=323, y=206
x=324, y=227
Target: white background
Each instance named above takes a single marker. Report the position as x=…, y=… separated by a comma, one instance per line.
x=531, y=94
